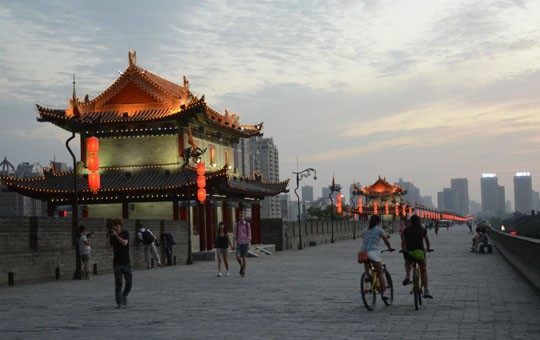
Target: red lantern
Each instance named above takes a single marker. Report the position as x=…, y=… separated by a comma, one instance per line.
x=94, y=182
x=375, y=209
x=386, y=212
x=339, y=209
x=92, y=162
x=360, y=208
x=201, y=169
x=397, y=209
x=201, y=195
x=201, y=181
x=410, y=211
x=92, y=145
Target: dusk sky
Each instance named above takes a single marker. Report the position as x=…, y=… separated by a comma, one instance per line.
x=420, y=90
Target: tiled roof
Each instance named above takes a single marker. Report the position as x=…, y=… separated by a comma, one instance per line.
x=59, y=116
x=127, y=181
x=382, y=188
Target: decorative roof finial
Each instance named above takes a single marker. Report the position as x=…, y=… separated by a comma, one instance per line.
x=132, y=56
x=75, y=101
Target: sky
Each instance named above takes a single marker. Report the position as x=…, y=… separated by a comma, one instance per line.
x=425, y=91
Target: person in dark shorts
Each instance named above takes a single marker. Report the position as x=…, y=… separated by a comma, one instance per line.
x=412, y=243
x=223, y=243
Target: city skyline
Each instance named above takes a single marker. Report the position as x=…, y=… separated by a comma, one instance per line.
x=353, y=89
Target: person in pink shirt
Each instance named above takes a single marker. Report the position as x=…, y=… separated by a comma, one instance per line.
x=242, y=238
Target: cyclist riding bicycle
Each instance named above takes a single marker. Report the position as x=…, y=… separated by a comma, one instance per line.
x=412, y=243
x=371, y=236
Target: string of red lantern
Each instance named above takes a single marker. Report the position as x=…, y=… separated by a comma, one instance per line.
x=92, y=163
x=201, y=182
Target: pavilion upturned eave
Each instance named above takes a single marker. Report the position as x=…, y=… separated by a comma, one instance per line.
x=140, y=184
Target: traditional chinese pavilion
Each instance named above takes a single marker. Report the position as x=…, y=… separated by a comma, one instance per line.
x=382, y=198
x=144, y=124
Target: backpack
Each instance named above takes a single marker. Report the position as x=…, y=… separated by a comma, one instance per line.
x=170, y=238
x=147, y=237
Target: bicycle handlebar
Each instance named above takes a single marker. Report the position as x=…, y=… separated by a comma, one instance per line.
x=385, y=250
x=427, y=250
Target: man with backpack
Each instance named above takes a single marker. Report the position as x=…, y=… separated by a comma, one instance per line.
x=149, y=241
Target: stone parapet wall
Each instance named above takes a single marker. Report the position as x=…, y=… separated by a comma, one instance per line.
x=522, y=252
x=286, y=235
x=35, y=249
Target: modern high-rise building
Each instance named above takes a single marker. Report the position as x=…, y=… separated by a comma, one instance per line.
x=492, y=194
x=447, y=200
x=460, y=186
x=523, y=192
x=15, y=204
x=285, y=207
x=307, y=193
x=536, y=201
x=261, y=155
x=325, y=194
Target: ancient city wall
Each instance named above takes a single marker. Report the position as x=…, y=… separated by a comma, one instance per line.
x=522, y=252
x=34, y=249
x=285, y=235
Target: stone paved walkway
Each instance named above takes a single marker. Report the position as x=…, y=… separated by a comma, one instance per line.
x=309, y=294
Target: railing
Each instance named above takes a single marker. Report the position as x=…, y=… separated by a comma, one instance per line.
x=522, y=252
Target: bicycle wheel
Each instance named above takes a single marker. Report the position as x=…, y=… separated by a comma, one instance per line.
x=389, y=288
x=368, y=293
x=417, y=290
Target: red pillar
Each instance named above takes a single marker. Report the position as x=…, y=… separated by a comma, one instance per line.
x=256, y=223
x=201, y=223
x=226, y=212
x=50, y=209
x=210, y=225
x=176, y=209
x=125, y=210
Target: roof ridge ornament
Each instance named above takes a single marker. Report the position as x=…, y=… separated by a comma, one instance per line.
x=132, y=57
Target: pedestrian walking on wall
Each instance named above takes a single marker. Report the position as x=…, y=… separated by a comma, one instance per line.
x=242, y=238
x=119, y=240
x=85, y=250
x=223, y=243
x=149, y=241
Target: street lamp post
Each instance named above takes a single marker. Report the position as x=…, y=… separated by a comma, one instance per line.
x=187, y=155
x=299, y=175
x=354, y=193
x=75, y=211
x=333, y=188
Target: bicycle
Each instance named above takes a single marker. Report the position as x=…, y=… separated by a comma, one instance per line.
x=416, y=282
x=370, y=286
